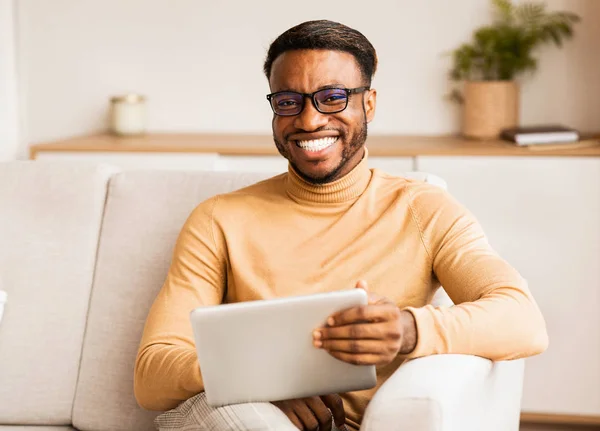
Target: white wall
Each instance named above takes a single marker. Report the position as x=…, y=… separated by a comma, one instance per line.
x=567, y=87
x=192, y=58
x=9, y=145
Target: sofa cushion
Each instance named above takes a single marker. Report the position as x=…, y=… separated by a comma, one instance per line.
x=50, y=217
x=144, y=214
x=33, y=428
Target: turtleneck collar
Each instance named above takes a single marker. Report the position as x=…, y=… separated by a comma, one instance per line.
x=347, y=188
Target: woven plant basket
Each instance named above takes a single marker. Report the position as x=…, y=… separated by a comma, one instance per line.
x=489, y=107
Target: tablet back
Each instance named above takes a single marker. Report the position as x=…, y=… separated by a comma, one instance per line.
x=263, y=351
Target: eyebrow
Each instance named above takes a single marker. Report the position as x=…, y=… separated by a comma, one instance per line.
x=323, y=87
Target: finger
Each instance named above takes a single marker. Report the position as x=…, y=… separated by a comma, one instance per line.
x=321, y=412
x=360, y=331
x=336, y=405
x=295, y=420
x=306, y=416
x=361, y=358
x=378, y=347
x=287, y=409
x=364, y=313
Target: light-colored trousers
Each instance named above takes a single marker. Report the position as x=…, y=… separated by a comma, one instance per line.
x=382, y=414
x=196, y=415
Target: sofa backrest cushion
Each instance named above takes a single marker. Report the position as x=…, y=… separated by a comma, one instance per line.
x=50, y=219
x=144, y=213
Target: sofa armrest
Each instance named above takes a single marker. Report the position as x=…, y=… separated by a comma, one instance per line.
x=449, y=393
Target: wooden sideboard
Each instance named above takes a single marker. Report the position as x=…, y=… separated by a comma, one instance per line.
x=540, y=209
x=262, y=145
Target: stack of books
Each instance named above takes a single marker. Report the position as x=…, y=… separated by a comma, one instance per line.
x=546, y=137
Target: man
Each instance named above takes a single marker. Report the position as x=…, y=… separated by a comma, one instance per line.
x=328, y=224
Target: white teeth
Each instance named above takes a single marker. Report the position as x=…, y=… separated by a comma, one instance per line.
x=317, y=144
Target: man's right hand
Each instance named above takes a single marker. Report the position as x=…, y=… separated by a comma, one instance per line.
x=312, y=414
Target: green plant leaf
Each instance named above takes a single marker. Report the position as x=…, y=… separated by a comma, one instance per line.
x=506, y=48
x=530, y=14
x=504, y=10
x=568, y=17
x=456, y=96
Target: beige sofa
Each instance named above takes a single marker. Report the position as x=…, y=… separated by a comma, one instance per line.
x=84, y=250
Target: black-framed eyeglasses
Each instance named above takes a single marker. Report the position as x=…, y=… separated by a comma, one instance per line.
x=326, y=101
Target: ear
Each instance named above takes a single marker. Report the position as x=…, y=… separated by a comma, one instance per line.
x=370, y=103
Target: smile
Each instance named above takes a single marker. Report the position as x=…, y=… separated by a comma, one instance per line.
x=317, y=144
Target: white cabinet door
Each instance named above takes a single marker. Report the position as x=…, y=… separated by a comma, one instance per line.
x=542, y=214
x=392, y=165
x=139, y=160
x=268, y=164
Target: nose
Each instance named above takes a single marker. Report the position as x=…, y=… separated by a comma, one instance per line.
x=310, y=119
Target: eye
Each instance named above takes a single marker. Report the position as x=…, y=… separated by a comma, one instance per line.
x=332, y=97
x=287, y=103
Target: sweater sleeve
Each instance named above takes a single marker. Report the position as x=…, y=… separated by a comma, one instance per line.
x=495, y=315
x=166, y=368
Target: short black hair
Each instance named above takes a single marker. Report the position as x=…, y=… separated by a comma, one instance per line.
x=325, y=35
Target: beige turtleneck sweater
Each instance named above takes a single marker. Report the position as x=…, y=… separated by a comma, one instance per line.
x=284, y=236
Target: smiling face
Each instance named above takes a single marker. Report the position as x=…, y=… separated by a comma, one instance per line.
x=321, y=147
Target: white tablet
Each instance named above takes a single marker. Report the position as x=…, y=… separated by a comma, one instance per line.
x=263, y=350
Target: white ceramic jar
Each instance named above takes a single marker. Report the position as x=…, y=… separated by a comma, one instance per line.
x=128, y=114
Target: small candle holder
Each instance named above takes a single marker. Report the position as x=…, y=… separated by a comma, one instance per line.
x=128, y=115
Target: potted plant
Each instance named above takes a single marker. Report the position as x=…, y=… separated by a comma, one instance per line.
x=498, y=54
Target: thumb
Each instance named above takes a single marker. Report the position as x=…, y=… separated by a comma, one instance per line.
x=362, y=284
x=373, y=297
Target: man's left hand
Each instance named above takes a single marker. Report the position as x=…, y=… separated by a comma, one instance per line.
x=372, y=334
